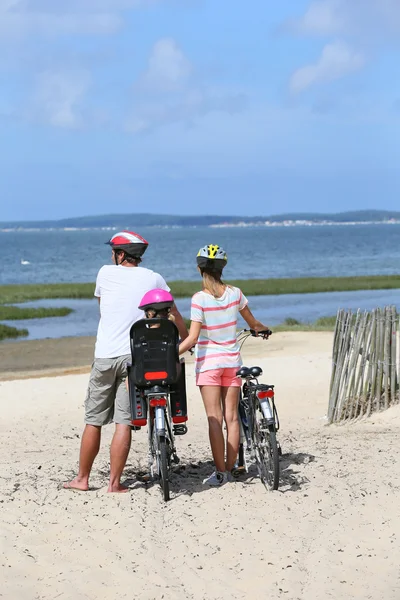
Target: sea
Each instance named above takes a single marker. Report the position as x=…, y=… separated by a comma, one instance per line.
x=70, y=256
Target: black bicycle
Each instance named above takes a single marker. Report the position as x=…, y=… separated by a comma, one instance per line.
x=259, y=421
x=157, y=392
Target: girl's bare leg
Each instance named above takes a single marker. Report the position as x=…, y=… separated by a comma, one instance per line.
x=230, y=400
x=211, y=395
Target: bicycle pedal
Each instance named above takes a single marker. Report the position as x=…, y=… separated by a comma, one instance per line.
x=180, y=429
x=238, y=471
x=144, y=477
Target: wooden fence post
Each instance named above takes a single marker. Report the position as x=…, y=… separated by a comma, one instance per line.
x=365, y=364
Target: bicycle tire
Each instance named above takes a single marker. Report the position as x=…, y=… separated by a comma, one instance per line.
x=163, y=466
x=241, y=457
x=243, y=425
x=266, y=452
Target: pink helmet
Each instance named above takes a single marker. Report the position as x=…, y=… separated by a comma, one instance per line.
x=156, y=299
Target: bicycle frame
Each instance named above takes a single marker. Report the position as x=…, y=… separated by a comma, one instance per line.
x=258, y=422
x=265, y=395
x=159, y=425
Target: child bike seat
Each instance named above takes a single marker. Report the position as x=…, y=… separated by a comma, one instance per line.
x=154, y=349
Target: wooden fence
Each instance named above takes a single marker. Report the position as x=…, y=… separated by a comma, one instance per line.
x=365, y=364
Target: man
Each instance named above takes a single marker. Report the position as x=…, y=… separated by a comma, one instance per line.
x=119, y=288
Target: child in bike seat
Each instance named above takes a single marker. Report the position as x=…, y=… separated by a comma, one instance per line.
x=157, y=304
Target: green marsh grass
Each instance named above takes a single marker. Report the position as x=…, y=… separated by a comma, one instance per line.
x=15, y=313
x=11, y=294
x=321, y=324
x=7, y=332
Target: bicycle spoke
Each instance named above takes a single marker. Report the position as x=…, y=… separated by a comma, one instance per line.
x=266, y=451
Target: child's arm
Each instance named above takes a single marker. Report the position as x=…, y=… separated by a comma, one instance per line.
x=192, y=338
x=251, y=321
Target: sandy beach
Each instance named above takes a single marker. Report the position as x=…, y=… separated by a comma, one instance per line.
x=331, y=530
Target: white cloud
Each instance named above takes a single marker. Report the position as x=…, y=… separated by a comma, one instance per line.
x=322, y=18
x=169, y=92
x=168, y=68
x=337, y=60
x=20, y=18
x=188, y=109
x=362, y=18
x=58, y=98
x=364, y=27
x=81, y=5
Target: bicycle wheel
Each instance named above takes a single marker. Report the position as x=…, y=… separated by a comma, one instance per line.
x=163, y=466
x=266, y=451
x=241, y=458
x=241, y=463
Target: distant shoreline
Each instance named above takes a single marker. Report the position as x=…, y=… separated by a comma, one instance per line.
x=111, y=222
x=212, y=226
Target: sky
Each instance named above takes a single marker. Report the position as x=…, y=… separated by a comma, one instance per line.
x=198, y=107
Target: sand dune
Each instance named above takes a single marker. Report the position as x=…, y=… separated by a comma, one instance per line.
x=331, y=531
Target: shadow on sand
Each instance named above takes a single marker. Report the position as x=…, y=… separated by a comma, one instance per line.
x=187, y=478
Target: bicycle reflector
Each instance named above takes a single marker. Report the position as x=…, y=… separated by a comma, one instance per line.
x=139, y=422
x=158, y=402
x=265, y=394
x=176, y=420
x=151, y=376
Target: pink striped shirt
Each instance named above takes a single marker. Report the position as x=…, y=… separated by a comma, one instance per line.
x=217, y=347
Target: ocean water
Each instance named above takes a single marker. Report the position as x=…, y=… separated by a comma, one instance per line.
x=76, y=256
x=253, y=252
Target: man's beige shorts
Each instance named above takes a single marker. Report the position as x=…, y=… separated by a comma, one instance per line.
x=107, y=399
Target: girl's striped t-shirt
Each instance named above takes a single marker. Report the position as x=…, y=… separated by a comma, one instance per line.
x=217, y=347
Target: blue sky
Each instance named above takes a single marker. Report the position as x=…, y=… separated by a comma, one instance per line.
x=198, y=106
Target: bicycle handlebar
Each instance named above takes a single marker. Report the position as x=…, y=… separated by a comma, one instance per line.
x=265, y=333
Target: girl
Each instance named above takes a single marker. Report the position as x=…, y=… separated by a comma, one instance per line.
x=214, y=317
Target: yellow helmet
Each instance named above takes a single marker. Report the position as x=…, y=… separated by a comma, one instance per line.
x=212, y=257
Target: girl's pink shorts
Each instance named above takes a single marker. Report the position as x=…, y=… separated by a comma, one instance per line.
x=221, y=377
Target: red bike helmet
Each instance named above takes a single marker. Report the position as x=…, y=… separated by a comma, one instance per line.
x=157, y=300
x=130, y=242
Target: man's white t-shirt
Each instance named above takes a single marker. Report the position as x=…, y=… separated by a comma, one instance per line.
x=120, y=290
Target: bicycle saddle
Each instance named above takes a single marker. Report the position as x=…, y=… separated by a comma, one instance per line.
x=243, y=372
x=256, y=371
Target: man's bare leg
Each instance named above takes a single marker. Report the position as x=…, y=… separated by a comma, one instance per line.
x=90, y=446
x=120, y=446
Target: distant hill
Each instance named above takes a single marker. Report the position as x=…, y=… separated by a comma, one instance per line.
x=150, y=220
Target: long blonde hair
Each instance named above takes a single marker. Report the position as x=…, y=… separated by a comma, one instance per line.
x=212, y=282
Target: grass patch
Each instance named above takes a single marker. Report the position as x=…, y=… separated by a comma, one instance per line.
x=7, y=332
x=304, y=285
x=329, y=322
x=11, y=294
x=321, y=324
x=290, y=322
x=14, y=313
